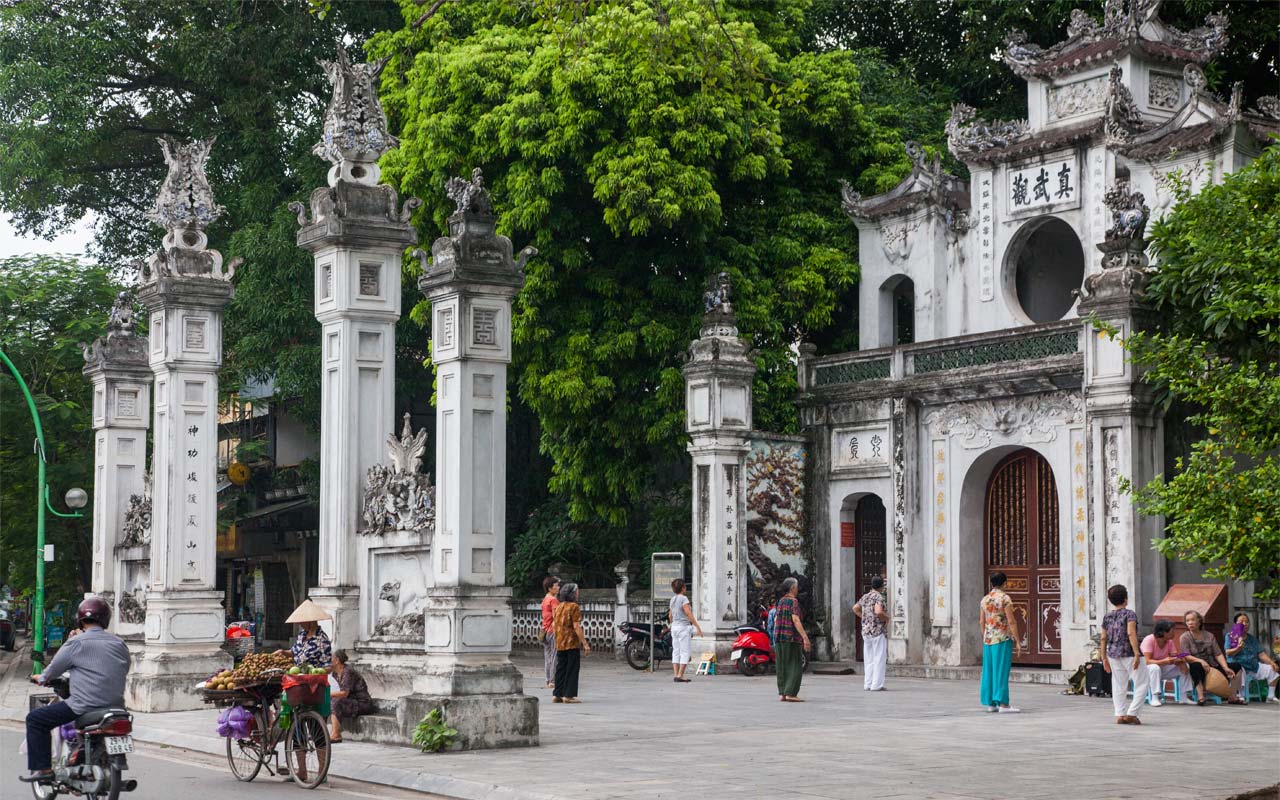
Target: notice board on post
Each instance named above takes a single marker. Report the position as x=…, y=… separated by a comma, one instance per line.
x=663, y=569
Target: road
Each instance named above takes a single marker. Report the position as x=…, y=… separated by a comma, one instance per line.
x=173, y=773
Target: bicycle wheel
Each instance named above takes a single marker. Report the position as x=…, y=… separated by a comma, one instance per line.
x=246, y=756
x=307, y=749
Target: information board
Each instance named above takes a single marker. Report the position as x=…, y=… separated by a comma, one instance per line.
x=663, y=569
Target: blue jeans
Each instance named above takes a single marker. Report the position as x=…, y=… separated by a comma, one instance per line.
x=40, y=723
x=996, y=661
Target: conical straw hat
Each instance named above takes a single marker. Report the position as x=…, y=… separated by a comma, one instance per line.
x=308, y=612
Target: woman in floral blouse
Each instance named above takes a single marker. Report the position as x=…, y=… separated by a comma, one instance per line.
x=571, y=644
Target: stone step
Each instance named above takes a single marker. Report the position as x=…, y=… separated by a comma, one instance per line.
x=1045, y=675
x=380, y=727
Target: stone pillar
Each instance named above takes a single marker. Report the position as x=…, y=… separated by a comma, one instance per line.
x=1125, y=430
x=118, y=368
x=470, y=281
x=184, y=288
x=357, y=235
x=717, y=379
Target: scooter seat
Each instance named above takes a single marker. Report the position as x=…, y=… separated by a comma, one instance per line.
x=91, y=718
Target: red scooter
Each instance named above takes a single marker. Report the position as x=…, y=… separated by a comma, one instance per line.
x=753, y=652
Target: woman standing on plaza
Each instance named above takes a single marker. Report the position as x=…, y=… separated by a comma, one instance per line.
x=680, y=615
x=790, y=637
x=571, y=644
x=1000, y=642
x=1122, y=656
x=550, y=585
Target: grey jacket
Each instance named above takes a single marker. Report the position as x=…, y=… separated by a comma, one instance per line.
x=98, y=662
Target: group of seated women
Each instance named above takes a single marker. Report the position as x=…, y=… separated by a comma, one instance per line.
x=1196, y=654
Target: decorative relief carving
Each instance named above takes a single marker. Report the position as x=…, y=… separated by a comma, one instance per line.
x=939, y=514
x=898, y=628
x=897, y=241
x=132, y=608
x=1077, y=98
x=1122, y=119
x=399, y=497
x=446, y=328
x=1029, y=418
x=135, y=531
x=370, y=279
x=968, y=135
x=1164, y=91
x=485, y=327
x=405, y=618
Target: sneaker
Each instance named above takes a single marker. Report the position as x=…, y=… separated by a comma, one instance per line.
x=1156, y=702
x=1008, y=710
x=992, y=709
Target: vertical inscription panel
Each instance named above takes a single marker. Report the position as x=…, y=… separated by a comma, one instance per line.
x=482, y=468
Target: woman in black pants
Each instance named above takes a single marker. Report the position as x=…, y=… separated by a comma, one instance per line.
x=1204, y=653
x=571, y=644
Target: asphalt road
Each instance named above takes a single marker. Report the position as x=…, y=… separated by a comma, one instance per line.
x=167, y=773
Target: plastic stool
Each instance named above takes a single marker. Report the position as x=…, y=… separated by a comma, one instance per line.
x=706, y=664
x=1164, y=690
x=1258, y=691
x=1217, y=701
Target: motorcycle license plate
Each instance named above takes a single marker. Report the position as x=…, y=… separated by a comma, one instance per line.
x=735, y=655
x=119, y=745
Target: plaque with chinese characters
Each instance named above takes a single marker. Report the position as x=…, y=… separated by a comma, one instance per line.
x=1037, y=187
x=370, y=279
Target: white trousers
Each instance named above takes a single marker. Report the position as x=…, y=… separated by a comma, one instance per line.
x=1158, y=673
x=1265, y=673
x=681, y=643
x=875, y=654
x=1121, y=671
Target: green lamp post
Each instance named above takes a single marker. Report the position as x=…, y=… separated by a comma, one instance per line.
x=76, y=498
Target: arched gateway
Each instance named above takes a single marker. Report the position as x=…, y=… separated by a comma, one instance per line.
x=1020, y=539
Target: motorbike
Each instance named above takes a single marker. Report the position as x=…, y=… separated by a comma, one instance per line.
x=92, y=758
x=752, y=651
x=637, y=647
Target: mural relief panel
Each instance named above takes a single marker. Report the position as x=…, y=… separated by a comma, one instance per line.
x=775, y=520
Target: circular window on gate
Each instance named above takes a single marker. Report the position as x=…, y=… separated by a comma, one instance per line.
x=1045, y=265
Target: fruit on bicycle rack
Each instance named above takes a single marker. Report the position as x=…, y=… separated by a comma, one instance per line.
x=254, y=668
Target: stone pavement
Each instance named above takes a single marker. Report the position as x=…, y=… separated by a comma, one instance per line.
x=642, y=736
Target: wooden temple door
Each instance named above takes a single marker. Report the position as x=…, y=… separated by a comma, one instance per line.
x=870, y=532
x=1021, y=540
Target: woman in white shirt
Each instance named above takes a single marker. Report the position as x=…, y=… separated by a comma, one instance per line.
x=680, y=614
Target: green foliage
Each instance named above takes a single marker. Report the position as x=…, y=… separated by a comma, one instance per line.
x=432, y=734
x=949, y=44
x=642, y=147
x=1217, y=349
x=48, y=305
x=87, y=87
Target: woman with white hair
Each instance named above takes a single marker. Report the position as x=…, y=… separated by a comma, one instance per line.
x=571, y=644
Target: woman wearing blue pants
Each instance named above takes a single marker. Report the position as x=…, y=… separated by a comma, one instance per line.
x=1000, y=641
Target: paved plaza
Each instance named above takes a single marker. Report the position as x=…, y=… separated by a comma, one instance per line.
x=642, y=736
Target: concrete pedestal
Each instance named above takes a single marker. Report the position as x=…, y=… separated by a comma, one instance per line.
x=165, y=673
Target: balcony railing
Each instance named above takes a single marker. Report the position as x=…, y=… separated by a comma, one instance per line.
x=1029, y=343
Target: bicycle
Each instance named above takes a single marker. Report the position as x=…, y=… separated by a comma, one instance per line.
x=305, y=739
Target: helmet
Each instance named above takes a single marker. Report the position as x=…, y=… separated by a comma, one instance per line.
x=95, y=610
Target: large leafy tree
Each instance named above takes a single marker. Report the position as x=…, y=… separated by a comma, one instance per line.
x=86, y=86
x=1216, y=351
x=951, y=45
x=642, y=147
x=48, y=305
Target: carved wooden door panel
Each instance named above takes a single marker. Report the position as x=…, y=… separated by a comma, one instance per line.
x=869, y=556
x=1021, y=540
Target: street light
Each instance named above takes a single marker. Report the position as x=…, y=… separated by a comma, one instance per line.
x=42, y=501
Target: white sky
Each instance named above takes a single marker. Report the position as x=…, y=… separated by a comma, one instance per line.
x=72, y=242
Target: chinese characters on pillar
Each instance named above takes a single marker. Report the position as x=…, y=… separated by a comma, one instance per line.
x=1079, y=523
x=1097, y=189
x=191, y=506
x=1037, y=186
x=986, y=239
x=941, y=613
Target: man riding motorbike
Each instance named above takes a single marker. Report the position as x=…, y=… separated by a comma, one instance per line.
x=99, y=662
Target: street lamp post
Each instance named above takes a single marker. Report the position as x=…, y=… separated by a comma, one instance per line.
x=76, y=498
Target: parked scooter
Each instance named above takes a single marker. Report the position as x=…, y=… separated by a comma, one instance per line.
x=93, y=753
x=637, y=647
x=753, y=652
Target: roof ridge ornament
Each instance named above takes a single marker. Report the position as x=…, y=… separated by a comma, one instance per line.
x=969, y=135
x=355, y=125
x=1122, y=119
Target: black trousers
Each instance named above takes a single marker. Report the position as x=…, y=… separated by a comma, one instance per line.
x=40, y=723
x=568, y=663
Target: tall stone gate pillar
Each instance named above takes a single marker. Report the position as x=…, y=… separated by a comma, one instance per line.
x=118, y=368
x=471, y=280
x=185, y=289
x=357, y=235
x=1125, y=430
x=717, y=381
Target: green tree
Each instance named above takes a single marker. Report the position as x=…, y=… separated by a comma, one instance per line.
x=48, y=305
x=642, y=147
x=950, y=44
x=1216, y=294
x=87, y=86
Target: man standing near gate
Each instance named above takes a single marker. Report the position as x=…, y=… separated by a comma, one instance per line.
x=875, y=645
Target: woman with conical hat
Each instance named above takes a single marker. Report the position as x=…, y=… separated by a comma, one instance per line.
x=311, y=649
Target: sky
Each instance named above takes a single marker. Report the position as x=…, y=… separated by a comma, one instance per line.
x=71, y=242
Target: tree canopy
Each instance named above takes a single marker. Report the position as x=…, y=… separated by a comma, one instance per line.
x=1216, y=294
x=642, y=147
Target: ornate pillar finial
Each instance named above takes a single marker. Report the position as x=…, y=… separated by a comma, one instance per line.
x=355, y=126
x=1124, y=258
x=184, y=208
